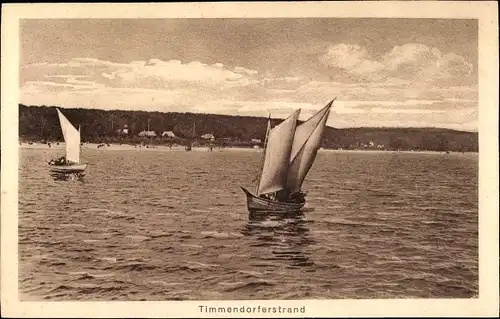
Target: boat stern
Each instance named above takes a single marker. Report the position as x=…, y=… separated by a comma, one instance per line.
x=255, y=203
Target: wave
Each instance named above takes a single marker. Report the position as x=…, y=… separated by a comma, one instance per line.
x=64, y=290
x=251, y=273
x=85, y=275
x=216, y=234
x=191, y=246
x=200, y=210
x=137, y=237
x=108, y=259
x=198, y=265
x=135, y=267
x=161, y=235
x=91, y=241
x=251, y=285
x=163, y=283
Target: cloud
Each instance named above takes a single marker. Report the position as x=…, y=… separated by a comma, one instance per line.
x=412, y=62
x=158, y=73
x=404, y=111
x=154, y=73
x=354, y=60
x=465, y=119
x=382, y=93
x=412, y=55
x=70, y=84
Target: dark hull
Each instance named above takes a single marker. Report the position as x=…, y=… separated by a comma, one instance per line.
x=255, y=203
x=68, y=169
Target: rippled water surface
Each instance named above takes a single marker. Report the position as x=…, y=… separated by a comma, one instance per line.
x=163, y=225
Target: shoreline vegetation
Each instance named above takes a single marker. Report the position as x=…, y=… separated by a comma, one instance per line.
x=116, y=129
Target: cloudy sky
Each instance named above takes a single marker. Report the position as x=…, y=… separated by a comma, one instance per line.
x=384, y=72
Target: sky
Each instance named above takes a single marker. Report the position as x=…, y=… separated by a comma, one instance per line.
x=382, y=72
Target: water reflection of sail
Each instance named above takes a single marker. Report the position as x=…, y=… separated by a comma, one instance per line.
x=67, y=177
x=283, y=235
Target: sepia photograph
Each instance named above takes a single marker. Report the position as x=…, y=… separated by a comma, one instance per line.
x=250, y=165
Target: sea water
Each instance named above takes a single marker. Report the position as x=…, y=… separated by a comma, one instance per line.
x=173, y=225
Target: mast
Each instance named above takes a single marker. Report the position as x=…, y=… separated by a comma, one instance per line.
x=80, y=135
x=194, y=133
x=148, y=134
x=263, y=157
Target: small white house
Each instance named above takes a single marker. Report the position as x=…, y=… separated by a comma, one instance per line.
x=168, y=134
x=208, y=136
x=256, y=140
x=123, y=130
x=147, y=133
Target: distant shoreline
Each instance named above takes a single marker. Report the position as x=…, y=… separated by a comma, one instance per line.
x=130, y=147
x=40, y=124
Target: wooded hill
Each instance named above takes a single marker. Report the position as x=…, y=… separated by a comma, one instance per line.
x=40, y=123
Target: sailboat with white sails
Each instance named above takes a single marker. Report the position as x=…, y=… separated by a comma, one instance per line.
x=289, y=153
x=71, y=162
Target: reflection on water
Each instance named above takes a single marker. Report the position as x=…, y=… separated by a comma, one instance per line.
x=68, y=176
x=286, y=235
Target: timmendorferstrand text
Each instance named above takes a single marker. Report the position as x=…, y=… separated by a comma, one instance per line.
x=252, y=309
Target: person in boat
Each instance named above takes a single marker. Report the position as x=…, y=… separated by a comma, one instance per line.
x=59, y=161
x=298, y=197
x=269, y=196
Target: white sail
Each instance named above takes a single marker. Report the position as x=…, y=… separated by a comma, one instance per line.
x=306, y=143
x=304, y=131
x=268, y=129
x=277, y=155
x=71, y=138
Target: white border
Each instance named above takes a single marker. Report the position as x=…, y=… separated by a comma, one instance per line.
x=486, y=12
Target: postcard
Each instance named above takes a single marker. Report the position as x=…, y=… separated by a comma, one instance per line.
x=279, y=159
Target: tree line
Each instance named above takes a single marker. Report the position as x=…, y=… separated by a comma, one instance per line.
x=40, y=123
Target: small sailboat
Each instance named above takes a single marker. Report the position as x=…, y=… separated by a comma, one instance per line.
x=70, y=164
x=289, y=152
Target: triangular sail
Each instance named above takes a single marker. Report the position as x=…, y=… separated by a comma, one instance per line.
x=305, y=130
x=71, y=138
x=306, y=143
x=277, y=156
x=268, y=129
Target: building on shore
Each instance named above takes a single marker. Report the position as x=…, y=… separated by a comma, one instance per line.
x=256, y=140
x=147, y=134
x=123, y=131
x=168, y=134
x=208, y=136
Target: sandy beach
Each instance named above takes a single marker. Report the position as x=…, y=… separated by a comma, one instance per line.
x=163, y=148
x=127, y=147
